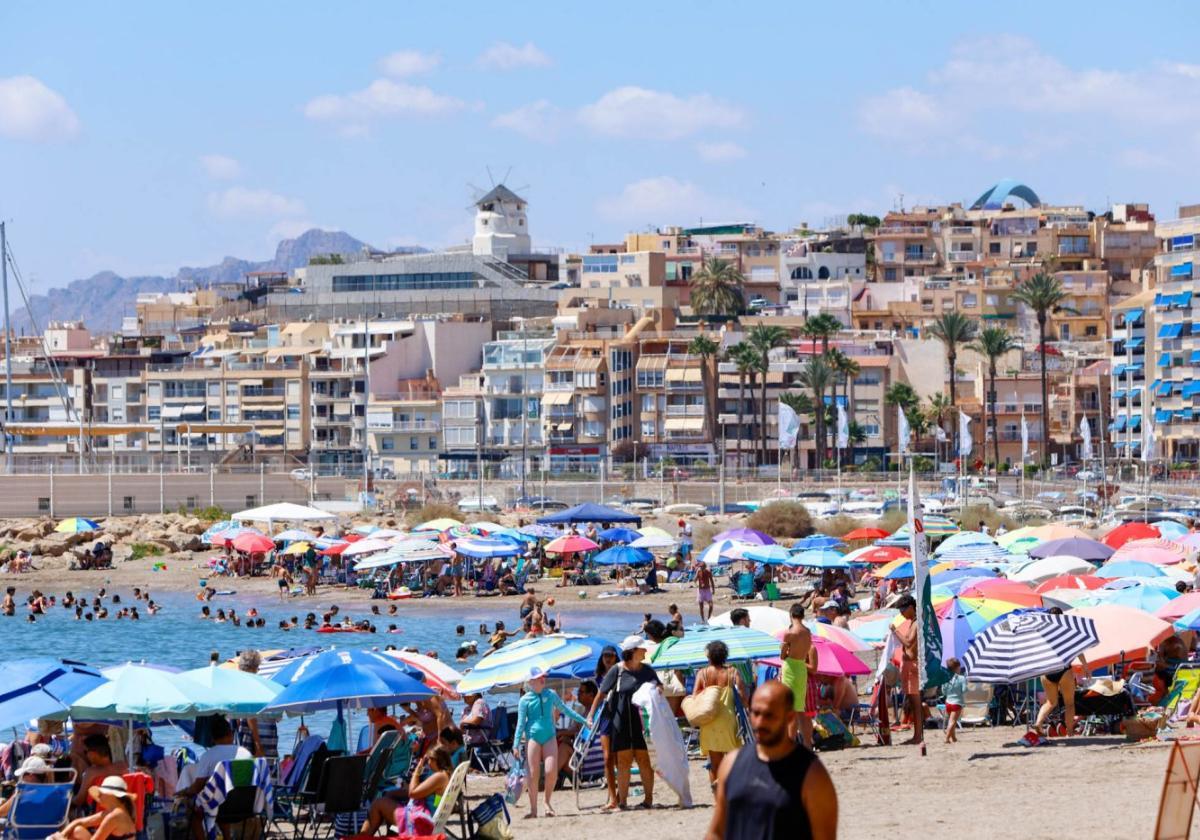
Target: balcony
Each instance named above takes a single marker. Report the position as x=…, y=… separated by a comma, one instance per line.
x=551, y=386
x=685, y=410
x=902, y=230
x=963, y=256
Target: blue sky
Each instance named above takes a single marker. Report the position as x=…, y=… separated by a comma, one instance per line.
x=144, y=136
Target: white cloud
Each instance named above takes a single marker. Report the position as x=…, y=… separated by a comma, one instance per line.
x=244, y=203
x=31, y=111
x=719, y=152
x=380, y=99
x=537, y=121
x=666, y=200
x=903, y=110
x=505, y=56
x=641, y=113
x=221, y=167
x=404, y=63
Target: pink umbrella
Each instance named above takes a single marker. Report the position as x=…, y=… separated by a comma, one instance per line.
x=570, y=544
x=833, y=633
x=253, y=543
x=1179, y=607
x=1191, y=540
x=1158, y=551
x=1125, y=633
x=833, y=660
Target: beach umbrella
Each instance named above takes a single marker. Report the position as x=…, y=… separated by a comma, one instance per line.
x=744, y=644
x=142, y=692
x=767, y=619
x=1128, y=568
x=75, y=525
x=227, y=536
x=438, y=675
x=570, y=544
x=483, y=547
x=295, y=548
x=619, y=535
x=1125, y=633
x=1009, y=538
x=963, y=538
x=744, y=535
x=540, y=532
x=875, y=628
x=976, y=553
x=1171, y=530
x=896, y=570
x=293, y=534
x=253, y=543
x=42, y=686
x=1057, y=532
x=1128, y=532
x=833, y=660
x=1188, y=621
x=815, y=541
x=366, y=546
x=389, y=534
x=1190, y=541
x=1024, y=545
x=1081, y=582
x=347, y=679
x=1027, y=645
x=335, y=548
x=878, y=554
x=769, y=555
x=936, y=526
x=961, y=618
x=1008, y=590
x=511, y=664
x=1178, y=607
x=724, y=552
x=947, y=565
x=653, y=531
x=1045, y=568
x=1140, y=596
x=1082, y=547
x=445, y=523
x=865, y=534
x=365, y=529
x=831, y=632
x=1158, y=551
x=216, y=528
x=653, y=541
x=819, y=558
x=1065, y=598
x=238, y=692
x=966, y=573
x=585, y=667
x=305, y=663
x=623, y=555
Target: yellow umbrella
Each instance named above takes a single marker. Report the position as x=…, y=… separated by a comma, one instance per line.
x=297, y=548
x=651, y=531
x=887, y=568
x=443, y=524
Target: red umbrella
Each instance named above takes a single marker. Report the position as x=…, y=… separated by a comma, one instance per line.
x=253, y=543
x=878, y=555
x=350, y=538
x=336, y=548
x=865, y=534
x=833, y=660
x=1070, y=582
x=1128, y=532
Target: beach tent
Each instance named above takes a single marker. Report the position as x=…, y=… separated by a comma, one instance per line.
x=283, y=512
x=589, y=512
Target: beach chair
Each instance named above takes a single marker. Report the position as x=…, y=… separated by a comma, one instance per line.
x=339, y=799
x=240, y=807
x=378, y=762
x=493, y=755
x=743, y=586
x=977, y=702
x=1183, y=688
x=453, y=800
x=587, y=762
x=39, y=810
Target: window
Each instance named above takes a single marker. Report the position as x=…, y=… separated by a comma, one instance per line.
x=993, y=247
x=432, y=442
x=647, y=428
x=214, y=389
x=404, y=282
x=412, y=442
x=154, y=391
x=293, y=412
x=251, y=501
x=889, y=275
x=153, y=412
x=43, y=504
x=647, y=402
x=387, y=444
x=214, y=414
x=823, y=273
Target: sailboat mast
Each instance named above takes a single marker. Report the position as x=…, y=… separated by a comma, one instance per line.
x=8, y=409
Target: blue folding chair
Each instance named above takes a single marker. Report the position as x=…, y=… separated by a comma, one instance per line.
x=39, y=810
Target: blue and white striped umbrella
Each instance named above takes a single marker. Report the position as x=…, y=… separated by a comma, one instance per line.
x=961, y=539
x=1027, y=645
x=975, y=553
x=689, y=652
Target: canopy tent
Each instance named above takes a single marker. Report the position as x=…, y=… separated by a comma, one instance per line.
x=283, y=512
x=589, y=512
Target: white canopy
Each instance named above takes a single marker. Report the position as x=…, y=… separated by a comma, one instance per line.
x=283, y=512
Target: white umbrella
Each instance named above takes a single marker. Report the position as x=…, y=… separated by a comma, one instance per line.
x=367, y=546
x=1037, y=571
x=653, y=541
x=766, y=619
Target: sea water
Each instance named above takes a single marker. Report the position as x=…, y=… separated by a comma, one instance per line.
x=178, y=637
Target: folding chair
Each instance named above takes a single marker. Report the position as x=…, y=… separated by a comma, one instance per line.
x=454, y=799
x=378, y=761
x=39, y=810
x=587, y=762
x=743, y=586
x=493, y=755
x=977, y=703
x=239, y=807
x=339, y=795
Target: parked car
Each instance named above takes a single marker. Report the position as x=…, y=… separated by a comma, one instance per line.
x=540, y=503
x=475, y=504
x=302, y=474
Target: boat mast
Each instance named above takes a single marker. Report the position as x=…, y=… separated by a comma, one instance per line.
x=8, y=410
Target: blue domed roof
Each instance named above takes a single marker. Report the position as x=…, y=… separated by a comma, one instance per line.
x=993, y=198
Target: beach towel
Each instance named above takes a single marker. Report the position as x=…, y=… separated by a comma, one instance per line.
x=670, y=752
x=223, y=781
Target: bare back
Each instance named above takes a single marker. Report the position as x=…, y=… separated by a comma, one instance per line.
x=797, y=642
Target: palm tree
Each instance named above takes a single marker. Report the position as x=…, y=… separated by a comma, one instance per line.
x=939, y=407
x=717, y=289
x=802, y=404
x=817, y=377
x=993, y=343
x=707, y=349
x=846, y=368
x=744, y=357
x=821, y=327
x=858, y=436
x=953, y=329
x=1044, y=294
x=764, y=339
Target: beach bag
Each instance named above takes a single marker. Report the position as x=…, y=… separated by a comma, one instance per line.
x=673, y=686
x=514, y=783
x=703, y=708
x=829, y=733
x=491, y=819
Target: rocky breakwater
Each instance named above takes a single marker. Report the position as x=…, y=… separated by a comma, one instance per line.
x=160, y=534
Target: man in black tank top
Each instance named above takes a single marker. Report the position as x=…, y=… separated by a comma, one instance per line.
x=775, y=788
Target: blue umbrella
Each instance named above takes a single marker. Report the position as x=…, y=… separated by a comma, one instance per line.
x=485, y=548
x=238, y=692
x=901, y=572
x=348, y=678
x=815, y=541
x=620, y=535
x=622, y=555
x=298, y=668
x=819, y=558
x=689, y=652
x=1191, y=621
x=1129, y=568
x=582, y=669
x=38, y=687
x=953, y=575
x=770, y=555
x=541, y=532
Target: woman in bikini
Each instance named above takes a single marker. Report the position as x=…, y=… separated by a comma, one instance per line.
x=1060, y=684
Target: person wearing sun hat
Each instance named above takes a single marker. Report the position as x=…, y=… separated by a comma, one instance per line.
x=113, y=819
x=535, y=726
x=34, y=769
x=627, y=736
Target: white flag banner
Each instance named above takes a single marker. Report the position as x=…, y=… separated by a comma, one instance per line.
x=843, y=434
x=1148, y=436
x=904, y=433
x=940, y=434
x=965, y=444
x=789, y=426
x=1024, y=438
x=1085, y=431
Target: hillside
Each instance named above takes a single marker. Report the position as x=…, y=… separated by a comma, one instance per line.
x=100, y=301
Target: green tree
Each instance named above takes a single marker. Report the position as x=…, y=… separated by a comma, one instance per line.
x=1044, y=294
x=707, y=349
x=993, y=343
x=817, y=376
x=716, y=289
x=745, y=359
x=903, y=395
x=764, y=338
x=821, y=328
x=936, y=413
x=846, y=370
x=802, y=404
x=858, y=436
x=953, y=329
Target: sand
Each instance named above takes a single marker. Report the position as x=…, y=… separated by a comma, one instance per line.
x=982, y=787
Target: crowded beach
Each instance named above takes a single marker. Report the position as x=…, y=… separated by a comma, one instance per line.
x=805, y=658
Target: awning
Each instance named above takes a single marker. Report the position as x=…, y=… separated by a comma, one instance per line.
x=1119, y=395
x=174, y=412
x=676, y=374
x=267, y=431
x=1162, y=415
x=1164, y=360
x=563, y=427
x=1117, y=425
x=72, y=429
x=1170, y=330
x=212, y=428
x=1135, y=422
x=1195, y=357
x=684, y=424
x=1134, y=314
x=557, y=398
x=1134, y=342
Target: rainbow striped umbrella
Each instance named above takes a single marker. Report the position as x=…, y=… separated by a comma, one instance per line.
x=512, y=663
x=688, y=652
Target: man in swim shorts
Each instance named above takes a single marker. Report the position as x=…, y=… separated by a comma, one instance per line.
x=798, y=654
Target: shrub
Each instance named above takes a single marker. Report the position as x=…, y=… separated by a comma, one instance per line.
x=837, y=526
x=971, y=516
x=434, y=510
x=141, y=550
x=893, y=519
x=782, y=519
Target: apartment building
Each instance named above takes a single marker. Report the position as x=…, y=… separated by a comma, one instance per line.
x=674, y=399
x=820, y=272
x=1132, y=340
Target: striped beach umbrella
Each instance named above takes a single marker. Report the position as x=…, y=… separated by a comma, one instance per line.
x=743, y=643
x=512, y=664
x=1027, y=645
x=1159, y=551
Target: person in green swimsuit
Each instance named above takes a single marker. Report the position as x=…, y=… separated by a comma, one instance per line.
x=798, y=656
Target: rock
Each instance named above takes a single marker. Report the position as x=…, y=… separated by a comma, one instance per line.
x=122, y=553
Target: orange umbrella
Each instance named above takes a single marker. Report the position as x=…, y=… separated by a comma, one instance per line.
x=1045, y=533
x=253, y=543
x=866, y=534
x=1125, y=633
x=1002, y=589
